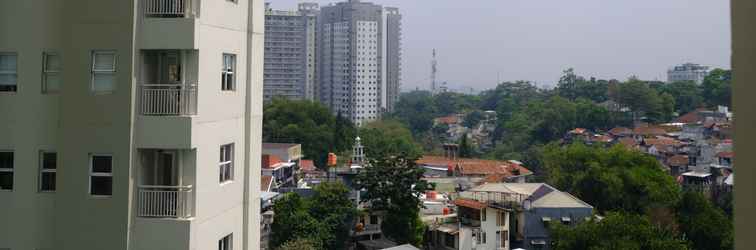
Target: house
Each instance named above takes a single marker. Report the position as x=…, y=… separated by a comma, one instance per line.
x=678, y=164
x=512, y=171
x=620, y=132
x=507, y=216
x=282, y=172
x=641, y=132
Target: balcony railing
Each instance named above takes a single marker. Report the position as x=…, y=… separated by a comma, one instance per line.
x=165, y=201
x=169, y=99
x=168, y=8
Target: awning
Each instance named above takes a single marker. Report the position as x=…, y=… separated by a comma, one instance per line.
x=469, y=203
x=566, y=219
x=546, y=219
x=538, y=242
x=449, y=228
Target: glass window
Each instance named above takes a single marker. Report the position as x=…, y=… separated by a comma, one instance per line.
x=226, y=243
x=6, y=170
x=228, y=80
x=103, y=71
x=51, y=69
x=8, y=72
x=101, y=175
x=47, y=171
x=226, y=163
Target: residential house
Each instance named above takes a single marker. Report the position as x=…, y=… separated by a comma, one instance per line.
x=678, y=164
x=507, y=216
x=512, y=171
x=282, y=172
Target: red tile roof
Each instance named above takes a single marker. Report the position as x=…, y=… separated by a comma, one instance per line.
x=663, y=142
x=691, y=117
x=452, y=119
x=469, y=203
x=628, y=142
x=678, y=160
x=475, y=166
x=307, y=166
x=649, y=131
x=578, y=131
x=268, y=161
x=265, y=182
x=620, y=131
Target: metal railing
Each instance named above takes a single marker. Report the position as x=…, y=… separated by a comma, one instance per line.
x=165, y=201
x=168, y=8
x=503, y=200
x=169, y=99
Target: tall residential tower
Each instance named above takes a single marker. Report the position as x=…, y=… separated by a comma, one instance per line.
x=393, y=56
x=290, y=52
x=116, y=131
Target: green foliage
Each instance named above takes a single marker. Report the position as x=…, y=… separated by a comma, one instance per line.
x=310, y=124
x=572, y=87
x=393, y=185
x=322, y=221
x=466, y=149
x=387, y=138
x=615, y=231
x=614, y=179
x=473, y=118
x=717, y=89
x=687, y=95
x=300, y=244
x=417, y=110
x=705, y=225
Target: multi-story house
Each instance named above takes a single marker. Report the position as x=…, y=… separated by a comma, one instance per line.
x=507, y=216
x=290, y=52
x=117, y=132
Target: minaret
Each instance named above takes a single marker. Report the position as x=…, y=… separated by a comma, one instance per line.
x=358, y=152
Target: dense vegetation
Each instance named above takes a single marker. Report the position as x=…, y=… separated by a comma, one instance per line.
x=310, y=124
x=321, y=222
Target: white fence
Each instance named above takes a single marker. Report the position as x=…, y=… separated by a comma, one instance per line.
x=167, y=8
x=169, y=99
x=165, y=201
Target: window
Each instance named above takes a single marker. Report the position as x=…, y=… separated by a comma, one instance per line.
x=227, y=73
x=6, y=170
x=51, y=73
x=449, y=240
x=226, y=243
x=103, y=71
x=48, y=162
x=226, y=163
x=483, y=214
x=101, y=175
x=484, y=237
x=502, y=238
x=8, y=72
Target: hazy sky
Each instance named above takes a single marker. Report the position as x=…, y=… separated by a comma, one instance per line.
x=536, y=39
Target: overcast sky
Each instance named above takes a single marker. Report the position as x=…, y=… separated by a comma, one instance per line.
x=535, y=40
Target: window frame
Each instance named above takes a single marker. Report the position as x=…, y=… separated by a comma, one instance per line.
x=47, y=72
x=100, y=174
x=15, y=86
x=226, y=165
x=10, y=170
x=94, y=72
x=43, y=170
x=226, y=71
x=227, y=242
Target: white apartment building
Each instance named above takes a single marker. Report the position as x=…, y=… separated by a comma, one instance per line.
x=687, y=72
x=130, y=124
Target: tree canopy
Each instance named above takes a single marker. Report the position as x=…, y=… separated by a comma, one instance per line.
x=615, y=231
x=705, y=225
x=388, y=137
x=614, y=179
x=310, y=124
x=717, y=89
x=393, y=185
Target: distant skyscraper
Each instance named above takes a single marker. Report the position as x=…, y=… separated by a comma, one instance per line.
x=688, y=72
x=393, y=56
x=352, y=61
x=290, y=52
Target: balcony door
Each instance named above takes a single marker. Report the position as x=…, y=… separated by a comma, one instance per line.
x=166, y=170
x=163, y=67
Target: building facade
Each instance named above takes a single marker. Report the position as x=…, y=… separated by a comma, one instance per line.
x=117, y=131
x=393, y=57
x=353, y=55
x=290, y=52
x=687, y=72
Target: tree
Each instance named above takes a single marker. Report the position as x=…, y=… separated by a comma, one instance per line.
x=310, y=124
x=332, y=207
x=473, y=118
x=387, y=138
x=292, y=221
x=394, y=184
x=705, y=225
x=300, y=244
x=717, y=89
x=615, y=179
x=466, y=149
x=687, y=95
x=416, y=109
x=615, y=231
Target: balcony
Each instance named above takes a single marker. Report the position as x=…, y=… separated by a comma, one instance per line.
x=169, y=8
x=165, y=201
x=168, y=99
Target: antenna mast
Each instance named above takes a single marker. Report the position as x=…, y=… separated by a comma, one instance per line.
x=434, y=70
